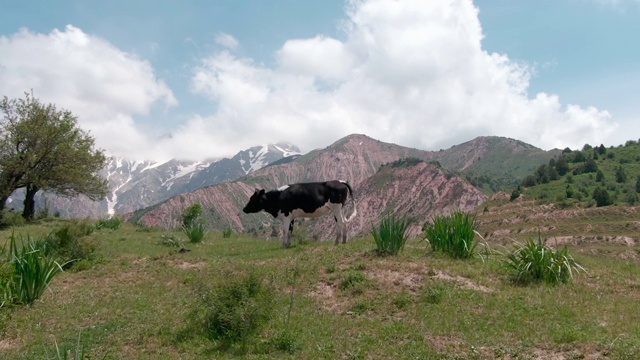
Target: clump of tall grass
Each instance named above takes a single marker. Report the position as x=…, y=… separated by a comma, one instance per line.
x=195, y=232
x=237, y=309
x=537, y=262
x=391, y=235
x=112, y=223
x=453, y=234
x=30, y=271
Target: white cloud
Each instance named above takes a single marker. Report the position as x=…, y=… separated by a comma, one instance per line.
x=103, y=85
x=227, y=41
x=411, y=72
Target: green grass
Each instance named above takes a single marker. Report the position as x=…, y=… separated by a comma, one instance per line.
x=390, y=235
x=453, y=234
x=535, y=261
x=140, y=301
x=195, y=232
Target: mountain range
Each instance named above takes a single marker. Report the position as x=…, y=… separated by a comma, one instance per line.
x=135, y=185
x=424, y=183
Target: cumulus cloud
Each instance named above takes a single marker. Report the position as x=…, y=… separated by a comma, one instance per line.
x=103, y=85
x=411, y=72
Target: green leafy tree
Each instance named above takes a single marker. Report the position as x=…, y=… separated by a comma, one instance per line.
x=590, y=166
x=638, y=184
x=562, y=166
x=621, y=175
x=601, y=196
x=600, y=176
x=602, y=150
x=42, y=148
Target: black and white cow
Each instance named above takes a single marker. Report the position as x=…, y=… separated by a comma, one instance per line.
x=305, y=200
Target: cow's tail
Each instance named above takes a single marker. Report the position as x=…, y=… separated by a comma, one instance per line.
x=353, y=202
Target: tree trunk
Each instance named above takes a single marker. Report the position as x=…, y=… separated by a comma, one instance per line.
x=29, y=202
x=3, y=203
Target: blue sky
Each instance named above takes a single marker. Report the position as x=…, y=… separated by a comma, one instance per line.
x=196, y=79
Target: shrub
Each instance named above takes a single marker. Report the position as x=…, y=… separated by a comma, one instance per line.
x=195, y=232
x=66, y=245
x=453, y=234
x=534, y=262
x=112, y=223
x=191, y=215
x=238, y=309
x=391, y=235
x=602, y=197
x=12, y=218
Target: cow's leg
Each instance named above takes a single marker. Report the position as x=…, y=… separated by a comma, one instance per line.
x=287, y=228
x=337, y=214
x=344, y=232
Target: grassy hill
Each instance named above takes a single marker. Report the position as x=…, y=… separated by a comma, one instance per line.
x=571, y=179
x=142, y=298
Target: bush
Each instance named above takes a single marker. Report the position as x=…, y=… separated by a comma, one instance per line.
x=602, y=197
x=191, y=215
x=391, y=235
x=534, y=262
x=238, y=309
x=453, y=234
x=12, y=218
x=112, y=223
x=66, y=245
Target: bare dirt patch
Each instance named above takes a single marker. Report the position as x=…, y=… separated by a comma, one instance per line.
x=326, y=294
x=463, y=282
x=577, y=240
x=406, y=280
x=6, y=344
x=185, y=265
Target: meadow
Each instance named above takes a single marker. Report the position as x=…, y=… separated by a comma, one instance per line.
x=142, y=297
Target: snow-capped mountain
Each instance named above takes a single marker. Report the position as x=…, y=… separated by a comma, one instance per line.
x=135, y=185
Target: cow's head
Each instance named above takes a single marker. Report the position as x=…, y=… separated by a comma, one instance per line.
x=256, y=202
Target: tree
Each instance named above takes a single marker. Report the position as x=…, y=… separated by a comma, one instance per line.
x=601, y=196
x=562, y=166
x=621, y=175
x=590, y=166
x=42, y=148
x=638, y=184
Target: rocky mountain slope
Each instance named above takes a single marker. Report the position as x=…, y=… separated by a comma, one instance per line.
x=416, y=191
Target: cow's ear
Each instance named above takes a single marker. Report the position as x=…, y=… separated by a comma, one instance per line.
x=261, y=192
x=256, y=192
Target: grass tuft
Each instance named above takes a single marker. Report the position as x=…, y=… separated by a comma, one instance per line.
x=33, y=270
x=536, y=262
x=391, y=235
x=453, y=234
x=195, y=232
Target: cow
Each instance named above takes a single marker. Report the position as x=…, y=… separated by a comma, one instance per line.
x=308, y=200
